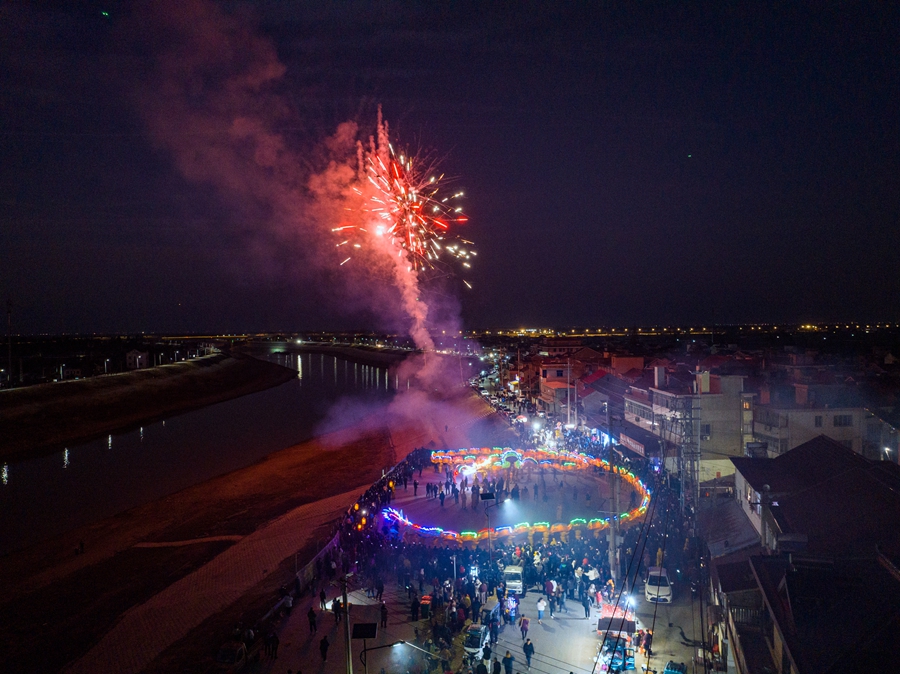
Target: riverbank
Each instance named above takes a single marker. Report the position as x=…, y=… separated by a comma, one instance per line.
x=364, y=355
x=58, y=604
x=39, y=419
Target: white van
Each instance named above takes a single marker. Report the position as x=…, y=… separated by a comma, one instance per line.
x=515, y=580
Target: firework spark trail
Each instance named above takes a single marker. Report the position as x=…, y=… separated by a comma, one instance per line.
x=406, y=220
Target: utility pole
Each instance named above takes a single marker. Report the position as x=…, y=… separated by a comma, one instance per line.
x=613, y=520
x=346, y=609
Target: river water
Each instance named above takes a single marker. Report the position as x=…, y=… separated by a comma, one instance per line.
x=77, y=485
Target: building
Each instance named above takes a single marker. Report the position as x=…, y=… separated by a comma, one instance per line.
x=786, y=418
x=820, y=592
x=715, y=406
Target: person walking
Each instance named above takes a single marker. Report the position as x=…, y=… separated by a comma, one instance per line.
x=442, y=497
x=586, y=602
x=648, y=643
x=322, y=598
x=312, y=620
x=495, y=666
x=541, y=607
x=415, y=487
x=384, y=614
x=528, y=649
x=508, y=661
x=323, y=648
x=523, y=626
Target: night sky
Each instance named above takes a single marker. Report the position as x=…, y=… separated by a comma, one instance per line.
x=623, y=163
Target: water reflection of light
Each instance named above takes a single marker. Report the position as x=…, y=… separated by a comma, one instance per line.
x=110, y=442
x=66, y=458
x=4, y=474
x=142, y=433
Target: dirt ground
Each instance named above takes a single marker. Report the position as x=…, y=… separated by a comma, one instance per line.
x=58, y=603
x=37, y=419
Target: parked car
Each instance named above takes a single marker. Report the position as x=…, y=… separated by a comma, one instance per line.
x=477, y=637
x=658, y=588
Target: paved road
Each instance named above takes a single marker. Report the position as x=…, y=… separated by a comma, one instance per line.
x=565, y=644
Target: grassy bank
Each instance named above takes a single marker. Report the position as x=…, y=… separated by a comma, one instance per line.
x=39, y=419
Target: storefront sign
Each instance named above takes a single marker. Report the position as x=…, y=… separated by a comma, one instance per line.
x=633, y=445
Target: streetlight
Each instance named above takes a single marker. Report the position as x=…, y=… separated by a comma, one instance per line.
x=106, y=366
x=362, y=655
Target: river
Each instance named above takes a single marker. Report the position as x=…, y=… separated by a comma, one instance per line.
x=77, y=485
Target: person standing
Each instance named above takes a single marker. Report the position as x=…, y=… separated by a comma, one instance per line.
x=312, y=620
x=323, y=648
x=495, y=667
x=586, y=602
x=523, y=626
x=442, y=497
x=561, y=599
x=541, y=607
x=648, y=643
x=384, y=614
x=273, y=645
x=528, y=649
x=322, y=598
x=415, y=487
x=508, y=661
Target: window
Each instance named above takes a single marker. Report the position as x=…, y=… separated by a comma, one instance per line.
x=746, y=404
x=819, y=421
x=559, y=373
x=544, y=373
x=843, y=420
x=705, y=429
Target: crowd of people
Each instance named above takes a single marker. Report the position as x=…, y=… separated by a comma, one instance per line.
x=457, y=584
